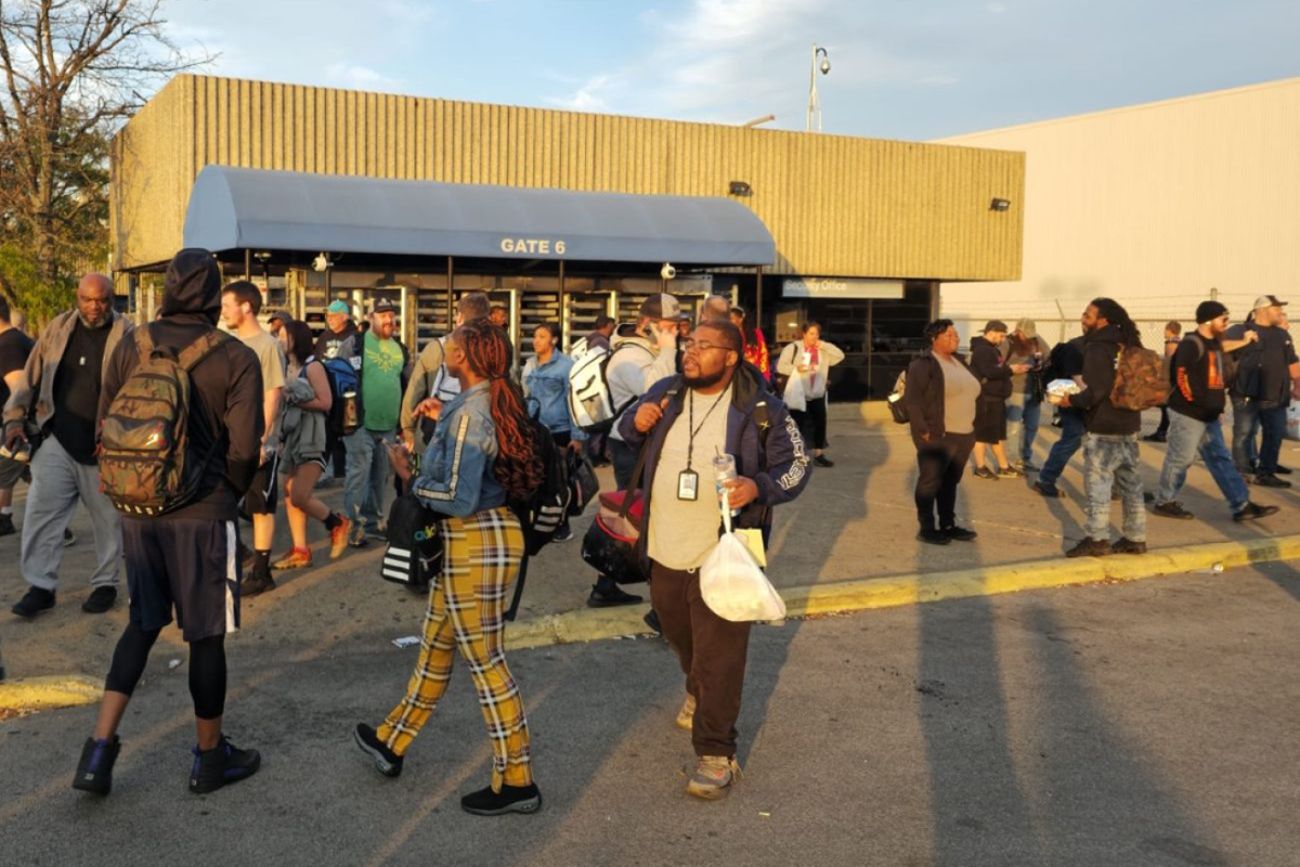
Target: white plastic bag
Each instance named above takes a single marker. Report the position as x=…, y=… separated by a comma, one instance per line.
x=732, y=583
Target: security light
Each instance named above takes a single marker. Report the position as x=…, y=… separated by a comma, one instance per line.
x=999, y=204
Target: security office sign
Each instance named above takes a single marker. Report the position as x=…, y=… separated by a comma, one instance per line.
x=840, y=288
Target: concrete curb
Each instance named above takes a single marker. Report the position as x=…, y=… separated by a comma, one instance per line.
x=46, y=693
x=892, y=591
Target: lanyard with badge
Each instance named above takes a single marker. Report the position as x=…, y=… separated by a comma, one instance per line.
x=688, y=481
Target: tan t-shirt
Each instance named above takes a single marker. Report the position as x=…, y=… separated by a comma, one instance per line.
x=682, y=532
x=271, y=359
x=960, y=390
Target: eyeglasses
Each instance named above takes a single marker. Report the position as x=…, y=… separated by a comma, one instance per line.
x=690, y=344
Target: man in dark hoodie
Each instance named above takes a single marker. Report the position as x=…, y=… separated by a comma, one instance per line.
x=1110, y=447
x=186, y=559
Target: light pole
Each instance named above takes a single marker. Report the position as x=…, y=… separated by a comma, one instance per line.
x=814, y=102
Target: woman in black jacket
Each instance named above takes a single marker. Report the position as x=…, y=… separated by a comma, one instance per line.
x=991, y=411
x=941, y=394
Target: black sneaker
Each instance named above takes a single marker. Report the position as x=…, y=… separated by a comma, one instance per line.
x=823, y=461
x=35, y=601
x=255, y=584
x=564, y=534
x=511, y=799
x=1268, y=480
x=1089, y=547
x=984, y=473
x=1281, y=470
x=100, y=600
x=1027, y=467
x=959, y=534
x=932, y=537
x=95, y=770
x=651, y=619
x=1125, y=545
x=386, y=761
x=1154, y=438
x=222, y=765
x=610, y=597
x=1046, y=490
x=69, y=538
x=1172, y=509
x=7, y=527
x=1250, y=511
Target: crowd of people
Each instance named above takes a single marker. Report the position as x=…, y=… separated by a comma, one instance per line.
x=959, y=410
x=271, y=410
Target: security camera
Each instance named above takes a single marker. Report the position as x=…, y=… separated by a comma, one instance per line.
x=322, y=263
x=668, y=272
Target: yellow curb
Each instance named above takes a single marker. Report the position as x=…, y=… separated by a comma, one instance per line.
x=897, y=590
x=46, y=693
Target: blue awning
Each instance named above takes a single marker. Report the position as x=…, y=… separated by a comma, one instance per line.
x=233, y=208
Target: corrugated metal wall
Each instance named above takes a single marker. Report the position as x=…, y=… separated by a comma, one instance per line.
x=1153, y=205
x=835, y=205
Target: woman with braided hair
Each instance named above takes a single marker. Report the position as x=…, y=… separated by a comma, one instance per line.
x=481, y=456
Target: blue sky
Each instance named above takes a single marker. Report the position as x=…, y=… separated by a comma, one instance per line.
x=909, y=69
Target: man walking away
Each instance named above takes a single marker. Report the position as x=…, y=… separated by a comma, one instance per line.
x=1066, y=363
x=685, y=421
x=185, y=559
x=241, y=301
x=1267, y=378
x=1110, y=447
x=1195, y=407
x=644, y=353
x=59, y=398
x=599, y=337
x=15, y=346
x=380, y=361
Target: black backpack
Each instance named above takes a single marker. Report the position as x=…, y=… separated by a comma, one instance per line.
x=543, y=512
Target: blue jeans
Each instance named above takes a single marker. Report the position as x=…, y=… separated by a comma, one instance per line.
x=1111, y=461
x=1064, y=448
x=1187, y=436
x=1245, y=427
x=367, y=478
x=1022, y=425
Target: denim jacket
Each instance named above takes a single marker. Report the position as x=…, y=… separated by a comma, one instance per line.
x=456, y=472
x=547, y=387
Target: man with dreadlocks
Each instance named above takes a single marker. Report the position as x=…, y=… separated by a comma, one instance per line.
x=1110, y=447
x=481, y=455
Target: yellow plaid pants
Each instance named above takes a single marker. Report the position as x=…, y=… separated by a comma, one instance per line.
x=467, y=606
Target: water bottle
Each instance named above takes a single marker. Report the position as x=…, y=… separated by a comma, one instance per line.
x=724, y=470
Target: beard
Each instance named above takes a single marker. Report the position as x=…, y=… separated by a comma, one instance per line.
x=704, y=380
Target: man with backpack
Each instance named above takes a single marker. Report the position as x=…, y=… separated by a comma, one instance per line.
x=380, y=360
x=1266, y=378
x=183, y=558
x=52, y=412
x=1110, y=447
x=241, y=301
x=338, y=328
x=1196, y=404
x=683, y=423
x=644, y=352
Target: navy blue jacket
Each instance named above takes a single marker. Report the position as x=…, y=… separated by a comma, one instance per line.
x=779, y=467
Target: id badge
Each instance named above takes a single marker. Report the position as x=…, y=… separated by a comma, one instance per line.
x=688, y=485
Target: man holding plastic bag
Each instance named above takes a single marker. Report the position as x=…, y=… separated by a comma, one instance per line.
x=684, y=423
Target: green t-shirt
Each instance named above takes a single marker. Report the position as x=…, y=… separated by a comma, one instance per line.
x=381, y=383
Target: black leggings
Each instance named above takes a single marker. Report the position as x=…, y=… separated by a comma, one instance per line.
x=812, y=423
x=940, y=466
x=207, y=668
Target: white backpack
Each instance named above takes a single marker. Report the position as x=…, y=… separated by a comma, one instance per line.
x=590, y=401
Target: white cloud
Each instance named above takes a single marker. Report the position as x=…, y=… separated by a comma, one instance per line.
x=358, y=77
x=588, y=96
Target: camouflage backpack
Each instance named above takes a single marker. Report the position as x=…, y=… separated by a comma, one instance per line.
x=143, y=466
x=1139, y=381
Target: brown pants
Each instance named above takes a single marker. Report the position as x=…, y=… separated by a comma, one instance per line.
x=712, y=653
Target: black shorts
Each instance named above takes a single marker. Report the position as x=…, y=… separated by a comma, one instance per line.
x=990, y=420
x=261, y=496
x=190, y=565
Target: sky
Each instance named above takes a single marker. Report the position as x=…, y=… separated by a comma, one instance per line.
x=901, y=69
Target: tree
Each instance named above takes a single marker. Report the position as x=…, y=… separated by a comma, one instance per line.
x=73, y=71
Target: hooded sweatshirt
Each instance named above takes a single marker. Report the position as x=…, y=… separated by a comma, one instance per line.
x=225, y=420
x=1100, y=416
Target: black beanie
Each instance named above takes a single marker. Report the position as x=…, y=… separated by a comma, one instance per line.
x=1208, y=310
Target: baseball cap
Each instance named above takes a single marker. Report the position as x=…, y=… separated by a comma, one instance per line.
x=1207, y=311
x=383, y=305
x=660, y=306
x=1027, y=328
x=282, y=315
x=995, y=325
x=338, y=307
x=1268, y=301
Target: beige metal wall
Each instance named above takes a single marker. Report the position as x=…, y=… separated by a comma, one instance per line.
x=1153, y=205
x=835, y=205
